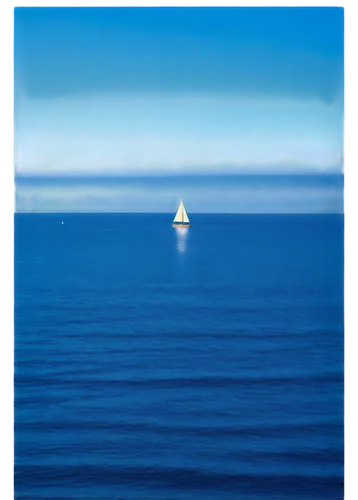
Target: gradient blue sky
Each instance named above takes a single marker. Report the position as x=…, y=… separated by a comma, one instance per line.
x=143, y=91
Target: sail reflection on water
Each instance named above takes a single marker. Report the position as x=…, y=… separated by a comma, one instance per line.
x=182, y=231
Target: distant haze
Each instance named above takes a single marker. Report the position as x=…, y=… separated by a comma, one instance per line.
x=140, y=92
x=203, y=194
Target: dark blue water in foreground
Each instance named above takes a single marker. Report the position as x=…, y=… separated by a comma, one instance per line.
x=152, y=365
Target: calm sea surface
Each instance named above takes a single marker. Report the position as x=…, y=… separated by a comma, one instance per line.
x=152, y=364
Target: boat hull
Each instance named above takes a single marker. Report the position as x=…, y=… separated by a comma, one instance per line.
x=180, y=225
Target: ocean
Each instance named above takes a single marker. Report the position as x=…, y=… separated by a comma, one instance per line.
x=157, y=364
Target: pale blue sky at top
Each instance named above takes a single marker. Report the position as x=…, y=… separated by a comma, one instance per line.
x=122, y=91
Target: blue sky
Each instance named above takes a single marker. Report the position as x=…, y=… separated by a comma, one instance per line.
x=157, y=91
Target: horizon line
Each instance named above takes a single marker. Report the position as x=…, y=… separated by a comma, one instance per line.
x=196, y=213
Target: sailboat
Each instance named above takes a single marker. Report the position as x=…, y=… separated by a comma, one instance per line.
x=181, y=218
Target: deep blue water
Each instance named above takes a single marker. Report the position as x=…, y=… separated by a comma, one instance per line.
x=152, y=365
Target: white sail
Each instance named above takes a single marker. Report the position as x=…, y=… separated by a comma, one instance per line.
x=181, y=215
x=185, y=215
